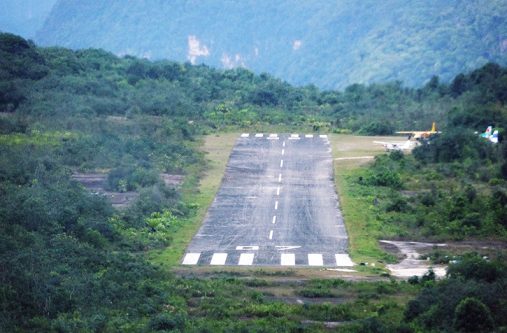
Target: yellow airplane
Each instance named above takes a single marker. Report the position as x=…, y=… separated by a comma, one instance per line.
x=421, y=134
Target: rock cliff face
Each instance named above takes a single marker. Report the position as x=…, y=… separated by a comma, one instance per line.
x=327, y=43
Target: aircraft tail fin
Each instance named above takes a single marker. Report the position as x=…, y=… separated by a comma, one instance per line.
x=434, y=127
x=494, y=137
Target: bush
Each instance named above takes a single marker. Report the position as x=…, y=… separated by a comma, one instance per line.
x=472, y=315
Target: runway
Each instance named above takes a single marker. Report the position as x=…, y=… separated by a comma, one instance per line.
x=277, y=206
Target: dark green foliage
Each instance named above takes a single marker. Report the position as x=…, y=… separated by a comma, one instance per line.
x=472, y=316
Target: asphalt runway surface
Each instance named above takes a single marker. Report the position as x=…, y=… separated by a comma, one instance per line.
x=277, y=206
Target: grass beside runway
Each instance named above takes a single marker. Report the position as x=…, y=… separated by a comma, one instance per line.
x=199, y=189
x=351, y=153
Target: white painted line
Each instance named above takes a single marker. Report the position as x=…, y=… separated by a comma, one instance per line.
x=218, y=259
x=259, y=135
x=246, y=259
x=276, y=205
x=279, y=177
x=278, y=190
x=309, y=136
x=271, y=234
x=191, y=259
x=247, y=248
x=287, y=247
x=245, y=135
x=353, y=158
x=274, y=219
x=294, y=137
x=281, y=163
x=273, y=136
x=288, y=259
x=283, y=152
x=283, y=144
x=343, y=260
x=315, y=259
x=323, y=136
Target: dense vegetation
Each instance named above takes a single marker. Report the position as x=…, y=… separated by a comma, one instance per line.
x=331, y=44
x=71, y=263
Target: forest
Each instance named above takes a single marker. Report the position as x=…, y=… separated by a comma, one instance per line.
x=70, y=262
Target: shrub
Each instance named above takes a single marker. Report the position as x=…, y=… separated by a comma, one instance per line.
x=472, y=315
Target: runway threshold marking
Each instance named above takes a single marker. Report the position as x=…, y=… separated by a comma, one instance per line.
x=246, y=259
x=288, y=259
x=343, y=260
x=315, y=259
x=191, y=259
x=274, y=219
x=218, y=259
x=271, y=235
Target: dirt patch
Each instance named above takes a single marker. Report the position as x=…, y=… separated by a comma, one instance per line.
x=172, y=180
x=411, y=264
x=95, y=183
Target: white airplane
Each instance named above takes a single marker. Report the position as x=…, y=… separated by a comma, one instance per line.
x=397, y=146
x=491, y=135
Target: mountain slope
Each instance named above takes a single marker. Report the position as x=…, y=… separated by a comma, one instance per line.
x=330, y=44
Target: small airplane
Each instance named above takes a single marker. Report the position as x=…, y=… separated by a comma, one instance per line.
x=397, y=146
x=421, y=134
x=491, y=135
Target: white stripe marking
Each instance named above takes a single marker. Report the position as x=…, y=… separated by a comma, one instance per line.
x=278, y=190
x=274, y=219
x=281, y=164
x=276, y=205
x=343, y=260
x=288, y=259
x=259, y=135
x=245, y=135
x=246, y=259
x=218, y=259
x=273, y=136
x=191, y=259
x=283, y=145
x=271, y=234
x=247, y=248
x=279, y=177
x=283, y=152
x=315, y=259
x=287, y=247
x=309, y=136
x=323, y=136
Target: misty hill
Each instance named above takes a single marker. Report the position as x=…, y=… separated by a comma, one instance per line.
x=24, y=17
x=330, y=44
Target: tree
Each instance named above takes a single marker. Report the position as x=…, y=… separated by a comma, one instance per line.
x=472, y=315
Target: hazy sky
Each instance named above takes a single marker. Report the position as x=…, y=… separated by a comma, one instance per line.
x=24, y=17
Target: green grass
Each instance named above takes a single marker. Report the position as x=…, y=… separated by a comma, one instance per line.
x=200, y=187
x=52, y=138
x=362, y=227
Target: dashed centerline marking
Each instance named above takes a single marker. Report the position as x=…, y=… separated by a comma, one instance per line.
x=279, y=177
x=276, y=205
x=283, y=152
x=278, y=190
x=283, y=144
x=281, y=163
x=271, y=234
x=274, y=219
